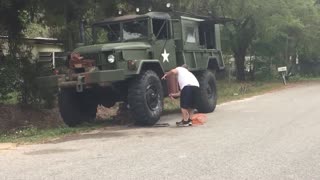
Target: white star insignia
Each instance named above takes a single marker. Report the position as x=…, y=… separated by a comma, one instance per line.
x=165, y=56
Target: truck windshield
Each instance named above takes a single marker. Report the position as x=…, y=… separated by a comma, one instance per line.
x=107, y=33
x=114, y=33
x=135, y=30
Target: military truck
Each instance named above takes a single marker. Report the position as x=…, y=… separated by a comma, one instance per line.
x=127, y=59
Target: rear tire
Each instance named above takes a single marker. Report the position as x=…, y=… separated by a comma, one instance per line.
x=208, y=92
x=76, y=108
x=145, y=98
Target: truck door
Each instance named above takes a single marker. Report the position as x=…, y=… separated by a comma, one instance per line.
x=164, y=45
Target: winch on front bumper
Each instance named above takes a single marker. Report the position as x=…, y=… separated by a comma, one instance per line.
x=81, y=81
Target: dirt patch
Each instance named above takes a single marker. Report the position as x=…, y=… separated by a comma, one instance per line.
x=104, y=113
x=119, y=114
x=14, y=117
x=291, y=85
x=7, y=146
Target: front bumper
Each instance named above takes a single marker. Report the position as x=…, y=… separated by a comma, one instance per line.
x=81, y=80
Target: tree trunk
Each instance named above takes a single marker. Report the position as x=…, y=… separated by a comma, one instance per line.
x=240, y=60
x=69, y=39
x=68, y=28
x=242, y=38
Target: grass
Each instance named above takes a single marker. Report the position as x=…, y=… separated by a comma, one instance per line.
x=13, y=99
x=235, y=91
x=298, y=78
x=227, y=91
x=35, y=135
x=171, y=105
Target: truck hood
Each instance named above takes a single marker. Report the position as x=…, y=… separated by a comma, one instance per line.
x=112, y=46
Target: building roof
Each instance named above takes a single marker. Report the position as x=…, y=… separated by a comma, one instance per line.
x=41, y=40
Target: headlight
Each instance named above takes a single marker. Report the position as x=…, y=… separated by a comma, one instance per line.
x=111, y=58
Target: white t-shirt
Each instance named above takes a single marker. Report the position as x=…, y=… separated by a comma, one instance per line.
x=186, y=78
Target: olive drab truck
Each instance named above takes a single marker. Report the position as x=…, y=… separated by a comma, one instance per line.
x=127, y=59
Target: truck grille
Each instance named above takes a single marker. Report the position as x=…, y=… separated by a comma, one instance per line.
x=100, y=60
x=91, y=56
x=82, y=62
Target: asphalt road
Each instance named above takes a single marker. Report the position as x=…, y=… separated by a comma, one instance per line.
x=274, y=136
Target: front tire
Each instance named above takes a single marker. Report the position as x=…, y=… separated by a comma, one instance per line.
x=145, y=98
x=208, y=92
x=76, y=108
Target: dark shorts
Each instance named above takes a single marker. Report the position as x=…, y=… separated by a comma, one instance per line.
x=189, y=95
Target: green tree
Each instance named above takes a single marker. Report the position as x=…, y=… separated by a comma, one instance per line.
x=274, y=28
x=11, y=25
x=65, y=16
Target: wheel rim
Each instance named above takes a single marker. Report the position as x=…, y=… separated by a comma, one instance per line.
x=152, y=97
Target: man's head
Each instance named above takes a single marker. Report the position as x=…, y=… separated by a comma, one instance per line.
x=185, y=66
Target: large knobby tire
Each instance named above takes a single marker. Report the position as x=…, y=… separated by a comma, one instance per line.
x=208, y=92
x=76, y=108
x=145, y=98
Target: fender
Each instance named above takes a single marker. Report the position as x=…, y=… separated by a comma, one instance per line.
x=150, y=64
x=216, y=62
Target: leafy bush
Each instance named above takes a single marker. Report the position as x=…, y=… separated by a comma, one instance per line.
x=31, y=94
x=18, y=77
x=8, y=78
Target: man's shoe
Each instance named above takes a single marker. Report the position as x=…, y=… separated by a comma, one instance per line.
x=184, y=123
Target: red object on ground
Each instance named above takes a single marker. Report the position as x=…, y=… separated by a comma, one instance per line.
x=199, y=119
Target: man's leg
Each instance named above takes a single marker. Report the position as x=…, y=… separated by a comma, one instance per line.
x=190, y=112
x=185, y=118
x=185, y=114
x=193, y=101
x=184, y=104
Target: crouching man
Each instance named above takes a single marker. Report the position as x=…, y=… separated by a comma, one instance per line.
x=189, y=90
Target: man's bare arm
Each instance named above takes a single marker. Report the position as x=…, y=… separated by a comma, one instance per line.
x=175, y=95
x=173, y=71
